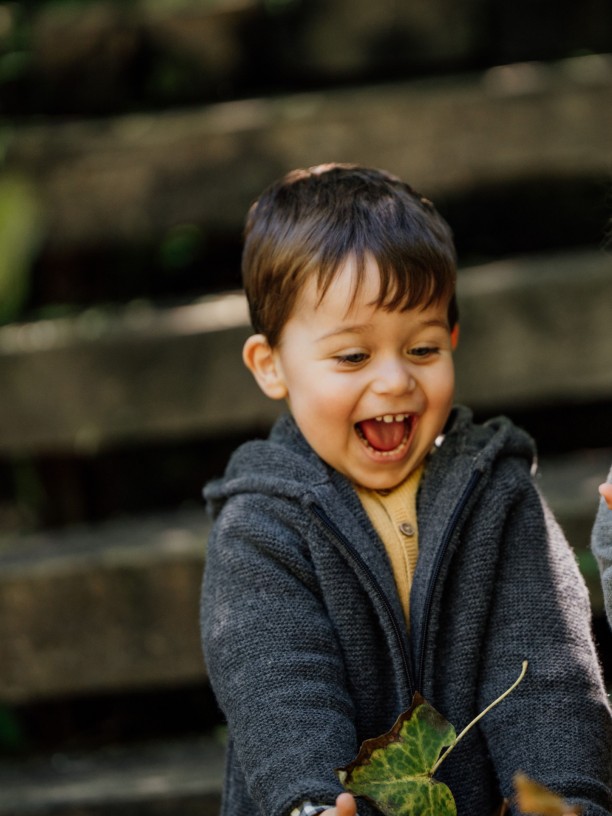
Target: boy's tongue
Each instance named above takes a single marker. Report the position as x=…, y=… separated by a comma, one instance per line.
x=383, y=436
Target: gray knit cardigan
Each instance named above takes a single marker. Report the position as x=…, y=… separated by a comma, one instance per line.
x=308, y=655
x=601, y=542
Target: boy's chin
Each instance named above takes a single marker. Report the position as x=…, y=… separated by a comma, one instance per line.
x=375, y=475
x=383, y=481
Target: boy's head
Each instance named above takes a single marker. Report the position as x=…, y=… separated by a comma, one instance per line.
x=350, y=278
x=309, y=222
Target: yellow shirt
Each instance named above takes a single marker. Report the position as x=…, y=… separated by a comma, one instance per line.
x=394, y=517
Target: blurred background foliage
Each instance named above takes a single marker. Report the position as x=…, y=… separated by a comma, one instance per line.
x=21, y=232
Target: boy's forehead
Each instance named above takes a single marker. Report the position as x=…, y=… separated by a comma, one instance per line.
x=354, y=290
x=338, y=315
x=348, y=292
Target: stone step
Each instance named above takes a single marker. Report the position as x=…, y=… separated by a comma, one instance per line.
x=535, y=330
x=103, y=55
x=140, y=372
x=102, y=609
x=114, y=608
x=212, y=43
x=569, y=483
x=133, y=177
x=161, y=779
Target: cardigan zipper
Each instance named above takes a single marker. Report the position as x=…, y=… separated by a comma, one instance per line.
x=378, y=590
x=441, y=552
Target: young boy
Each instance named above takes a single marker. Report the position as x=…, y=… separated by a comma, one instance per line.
x=601, y=542
x=379, y=542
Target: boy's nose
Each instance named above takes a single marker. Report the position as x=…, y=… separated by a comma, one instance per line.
x=393, y=377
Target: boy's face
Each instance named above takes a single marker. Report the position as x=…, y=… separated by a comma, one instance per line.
x=369, y=389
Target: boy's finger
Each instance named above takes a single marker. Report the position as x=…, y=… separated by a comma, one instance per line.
x=606, y=491
x=346, y=805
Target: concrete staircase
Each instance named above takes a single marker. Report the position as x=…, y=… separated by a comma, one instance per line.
x=133, y=175
x=160, y=779
x=113, y=607
x=109, y=606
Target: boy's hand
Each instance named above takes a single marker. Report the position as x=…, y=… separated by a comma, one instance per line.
x=606, y=492
x=345, y=806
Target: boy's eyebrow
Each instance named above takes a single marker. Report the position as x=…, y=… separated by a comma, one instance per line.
x=360, y=328
x=436, y=322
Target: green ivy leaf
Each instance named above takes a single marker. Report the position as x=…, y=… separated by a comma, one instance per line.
x=394, y=771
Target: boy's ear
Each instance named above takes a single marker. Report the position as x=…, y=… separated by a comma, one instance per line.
x=260, y=359
x=455, y=336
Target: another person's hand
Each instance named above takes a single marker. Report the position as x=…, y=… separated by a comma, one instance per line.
x=606, y=492
x=345, y=806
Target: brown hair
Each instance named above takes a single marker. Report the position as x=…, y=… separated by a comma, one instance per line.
x=310, y=221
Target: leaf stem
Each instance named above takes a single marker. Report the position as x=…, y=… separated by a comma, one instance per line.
x=479, y=717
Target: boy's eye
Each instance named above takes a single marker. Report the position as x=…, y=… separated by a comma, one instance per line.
x=355, y=358
x=423, y=352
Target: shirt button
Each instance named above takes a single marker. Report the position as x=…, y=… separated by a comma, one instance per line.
x=406, y=528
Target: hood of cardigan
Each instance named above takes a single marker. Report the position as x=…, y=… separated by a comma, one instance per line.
x=286, y=465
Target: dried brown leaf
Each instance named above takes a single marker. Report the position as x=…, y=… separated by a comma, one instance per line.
x=531, y=797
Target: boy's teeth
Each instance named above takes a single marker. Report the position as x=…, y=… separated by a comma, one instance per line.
x=391, y=418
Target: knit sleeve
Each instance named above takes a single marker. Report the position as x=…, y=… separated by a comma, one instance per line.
x=556, y=726
x=273, y=657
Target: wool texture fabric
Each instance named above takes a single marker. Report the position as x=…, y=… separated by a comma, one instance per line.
x=308, y=654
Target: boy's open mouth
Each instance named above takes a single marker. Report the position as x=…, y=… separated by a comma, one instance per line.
x=386, y=434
